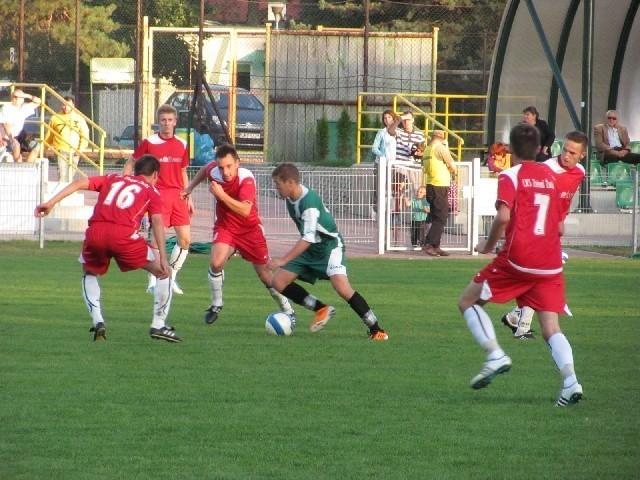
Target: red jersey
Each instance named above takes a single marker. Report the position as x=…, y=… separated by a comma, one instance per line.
x=172, y=155
x=567, y=181
x=123, y=200
x=241, y=188
x=532, y=238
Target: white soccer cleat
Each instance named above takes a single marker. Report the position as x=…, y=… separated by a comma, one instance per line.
x=491, y=369
x=570, y=395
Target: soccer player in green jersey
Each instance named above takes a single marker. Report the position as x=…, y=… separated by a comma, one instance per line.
x=318, y=255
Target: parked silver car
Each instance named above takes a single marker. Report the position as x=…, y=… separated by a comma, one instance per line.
x=249, y=115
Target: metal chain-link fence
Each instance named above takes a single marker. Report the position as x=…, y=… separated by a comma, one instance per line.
x=467, y=32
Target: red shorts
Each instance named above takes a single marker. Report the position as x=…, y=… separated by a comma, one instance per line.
x=252, y=244
x=104, y=241
x=501, y=283
x=175, y=211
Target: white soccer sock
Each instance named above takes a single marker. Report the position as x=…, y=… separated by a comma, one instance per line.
x=563, y=356
x=216, y=280
x=161, y=303
x=91, y=295
x=482, y=330
x=524, y=323
x=281, y=300
x=151, y=280
x=178, y=256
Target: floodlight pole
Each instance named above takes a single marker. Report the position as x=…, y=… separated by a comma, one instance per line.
x=584, y=204
x=21, y=51
x=197, y=88
x=138, y=76
x=76, y=83
x=365, y=53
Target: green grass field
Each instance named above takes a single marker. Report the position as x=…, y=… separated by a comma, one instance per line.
x=231, y=402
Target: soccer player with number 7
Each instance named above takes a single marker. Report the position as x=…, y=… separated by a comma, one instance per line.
x=113, y=233
x=529, y=266
x=569, y=176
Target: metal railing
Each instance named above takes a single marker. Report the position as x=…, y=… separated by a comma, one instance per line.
x=95, y=143
x=437, y=111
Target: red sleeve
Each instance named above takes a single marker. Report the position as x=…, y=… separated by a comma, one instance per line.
x=143, y=148
x=208, y=167
x=506, y=191
x=247, y=191
x=95, y=183
x=155, y=203
x=185, y=158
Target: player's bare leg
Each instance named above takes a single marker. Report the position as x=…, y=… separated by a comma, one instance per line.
x=283, y=281
x=265, y=276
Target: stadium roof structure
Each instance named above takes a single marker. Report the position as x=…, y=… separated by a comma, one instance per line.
x=569, y=59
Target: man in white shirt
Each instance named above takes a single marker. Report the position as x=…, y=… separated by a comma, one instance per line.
x=612, y=141
x=12, y=117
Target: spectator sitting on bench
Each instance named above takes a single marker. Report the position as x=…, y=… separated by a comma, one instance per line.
x=612, y=141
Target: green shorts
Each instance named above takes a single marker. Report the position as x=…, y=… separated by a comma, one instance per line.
x=310, y=267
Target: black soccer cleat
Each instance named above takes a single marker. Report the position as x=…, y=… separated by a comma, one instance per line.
x=165, y=333
x=211, y=314
x=525, y=336
x=506, y=321
x=99, y=332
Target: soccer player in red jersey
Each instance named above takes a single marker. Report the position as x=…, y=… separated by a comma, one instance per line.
x=237, y=226
x=172, y=153
x=529, y=266
x=569, y=176
x=113, y=233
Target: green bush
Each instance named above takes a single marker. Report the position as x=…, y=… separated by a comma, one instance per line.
x=345, y=136
x=322, y=138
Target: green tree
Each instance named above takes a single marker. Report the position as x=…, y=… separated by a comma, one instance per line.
x=467, y=33
x=107, y=29
x=50, y=38
x=346, y=134
x=322, y=138
x=171, y=53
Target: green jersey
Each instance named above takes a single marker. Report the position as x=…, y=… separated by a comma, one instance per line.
x=315, y=224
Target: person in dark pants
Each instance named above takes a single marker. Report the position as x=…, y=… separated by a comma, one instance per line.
x=530, y=115
x=612, y=141
x=439, y=168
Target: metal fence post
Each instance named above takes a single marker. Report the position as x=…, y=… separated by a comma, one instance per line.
x=43, y=166
x=634, y=221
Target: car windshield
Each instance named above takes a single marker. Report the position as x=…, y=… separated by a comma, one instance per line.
x=127, y=133
x=248, y=102
x=245, y=101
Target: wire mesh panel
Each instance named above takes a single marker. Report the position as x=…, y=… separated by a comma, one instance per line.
x=19, y=194
x=347, y=193
x=402, y=183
